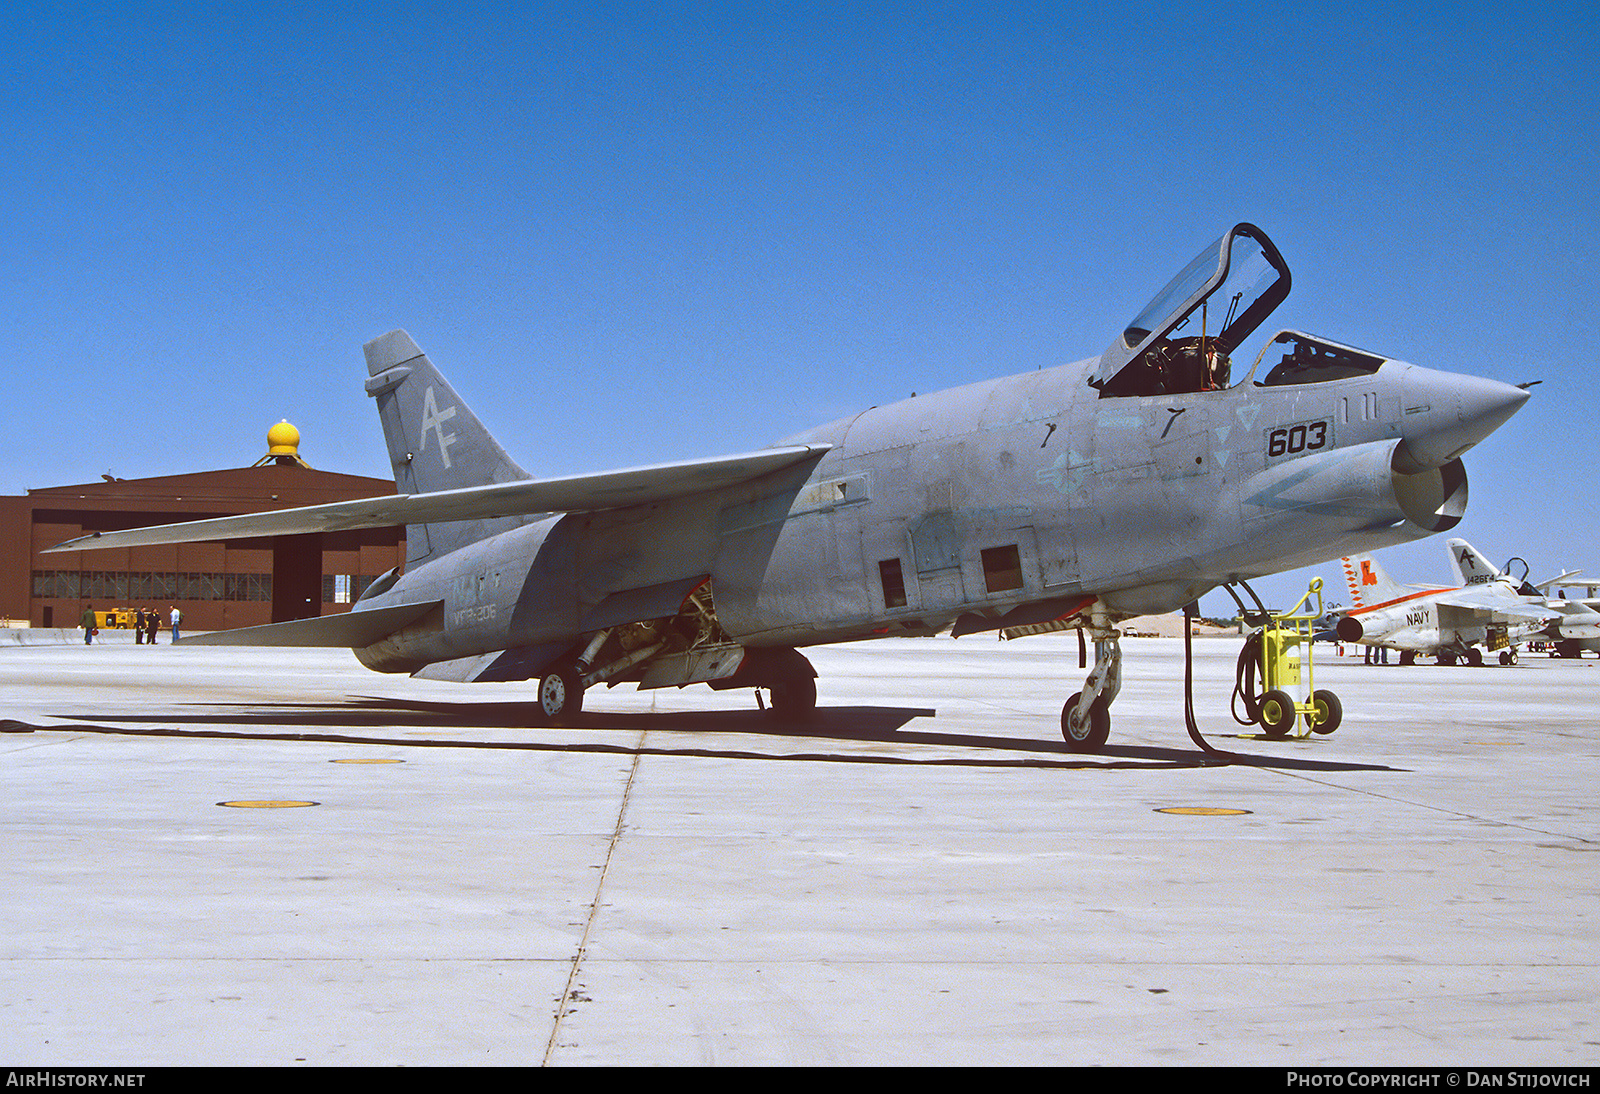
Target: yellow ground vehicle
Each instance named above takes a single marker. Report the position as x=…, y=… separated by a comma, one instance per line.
x=1281, y=648
x=117, y=619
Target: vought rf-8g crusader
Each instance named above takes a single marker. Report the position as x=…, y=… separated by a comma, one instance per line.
x=1070, y=497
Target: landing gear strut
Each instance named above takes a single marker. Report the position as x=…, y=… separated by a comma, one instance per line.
x=1086, y=717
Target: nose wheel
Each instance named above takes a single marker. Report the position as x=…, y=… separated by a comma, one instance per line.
x=1086, y=717
x=1086, y=733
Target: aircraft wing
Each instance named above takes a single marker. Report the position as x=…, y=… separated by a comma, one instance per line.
x=348, y=630
x=1486, y=607
x=1562, y=581
x=1584, y=583
x=572, y=494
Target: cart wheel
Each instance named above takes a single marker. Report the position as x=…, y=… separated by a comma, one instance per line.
x=1277, y=713
x=1327, y=714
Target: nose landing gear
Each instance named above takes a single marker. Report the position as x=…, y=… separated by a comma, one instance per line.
x=1086, y=717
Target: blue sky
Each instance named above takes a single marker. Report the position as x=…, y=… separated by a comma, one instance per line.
x=635, y=233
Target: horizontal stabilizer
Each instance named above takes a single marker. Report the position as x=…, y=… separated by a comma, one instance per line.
x=348, y=630
x=572, y=494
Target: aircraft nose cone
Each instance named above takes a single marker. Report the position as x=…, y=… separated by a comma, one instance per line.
x=1445, y=414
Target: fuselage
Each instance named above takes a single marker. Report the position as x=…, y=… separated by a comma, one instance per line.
x=971, y=502
x=1419, y=624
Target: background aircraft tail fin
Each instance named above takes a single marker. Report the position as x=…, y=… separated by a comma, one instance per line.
x=1470, y=566
x=435, y=442
x=1369, y=583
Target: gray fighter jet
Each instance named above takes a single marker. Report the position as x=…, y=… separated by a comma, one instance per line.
x=1070, y=497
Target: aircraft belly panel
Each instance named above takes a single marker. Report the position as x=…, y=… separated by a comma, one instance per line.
x=636, y=605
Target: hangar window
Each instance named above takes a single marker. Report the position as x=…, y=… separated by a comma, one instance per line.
x=1002, y=569
x=121, y=587
x=894, y=583
x=345, y=588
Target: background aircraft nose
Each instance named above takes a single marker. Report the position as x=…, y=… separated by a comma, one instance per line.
x=1444, y=414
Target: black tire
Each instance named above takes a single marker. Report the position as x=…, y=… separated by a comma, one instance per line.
x=1327, y=712
x=1508, y=657
x=1277, y=713
x=560, y=696
x=794, y=697
x=1095, y=733
x=1408, y=657
x=1475, y=657
x=792, y=683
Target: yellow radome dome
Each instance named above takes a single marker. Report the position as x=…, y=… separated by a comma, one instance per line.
x=283, y=439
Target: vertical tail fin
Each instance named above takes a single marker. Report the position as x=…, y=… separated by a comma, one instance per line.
x=435, y=442
x=1470, y=566
x=1369, y=583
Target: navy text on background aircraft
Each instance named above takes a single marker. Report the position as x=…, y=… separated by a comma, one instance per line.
x=1070, y=497
x=1488, y=608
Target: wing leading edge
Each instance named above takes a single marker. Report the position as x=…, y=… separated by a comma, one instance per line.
x=1484, y=606
x=571, y=494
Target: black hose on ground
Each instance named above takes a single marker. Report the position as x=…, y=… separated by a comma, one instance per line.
x=1189, y=612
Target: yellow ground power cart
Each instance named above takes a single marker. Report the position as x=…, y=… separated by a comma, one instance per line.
x=1282, y=650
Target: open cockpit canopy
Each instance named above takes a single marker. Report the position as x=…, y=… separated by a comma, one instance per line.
x=1182, y=339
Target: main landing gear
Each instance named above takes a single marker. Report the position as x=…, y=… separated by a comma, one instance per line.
x=1086, y=717
x=560, y=695
x=790, y=681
